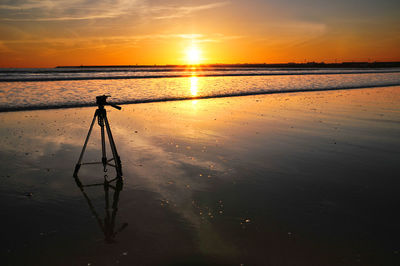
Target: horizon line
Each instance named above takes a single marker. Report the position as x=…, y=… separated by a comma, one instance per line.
x=312, y=63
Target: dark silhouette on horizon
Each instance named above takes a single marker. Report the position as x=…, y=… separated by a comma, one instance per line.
x=350, y=64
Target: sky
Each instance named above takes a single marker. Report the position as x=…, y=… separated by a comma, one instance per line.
x=49, y=33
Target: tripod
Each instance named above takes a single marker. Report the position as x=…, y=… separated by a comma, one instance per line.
x=102, y=120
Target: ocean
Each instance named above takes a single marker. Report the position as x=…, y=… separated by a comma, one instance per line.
x=47, y=88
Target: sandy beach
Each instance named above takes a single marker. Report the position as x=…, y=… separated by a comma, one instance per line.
x=307, y=178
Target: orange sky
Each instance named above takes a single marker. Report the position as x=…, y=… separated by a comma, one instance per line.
x=36, y=33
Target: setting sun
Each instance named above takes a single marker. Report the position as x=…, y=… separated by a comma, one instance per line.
x=193, y=55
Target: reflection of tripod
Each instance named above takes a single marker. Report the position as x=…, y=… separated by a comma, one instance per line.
x=107, y=225
x=101, y=120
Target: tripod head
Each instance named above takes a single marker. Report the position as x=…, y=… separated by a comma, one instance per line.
x=102, y=100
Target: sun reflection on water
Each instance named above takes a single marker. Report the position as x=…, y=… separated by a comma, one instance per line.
x=193, y=85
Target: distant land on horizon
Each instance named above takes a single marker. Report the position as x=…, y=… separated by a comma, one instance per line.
x=279, y=65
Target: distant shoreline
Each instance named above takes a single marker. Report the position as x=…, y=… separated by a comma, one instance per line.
x=284, y=65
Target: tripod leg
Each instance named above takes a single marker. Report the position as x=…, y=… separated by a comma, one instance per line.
x=78, y=165
x=117, y=160
x=103, y=141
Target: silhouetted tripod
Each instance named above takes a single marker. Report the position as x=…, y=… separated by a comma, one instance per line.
x=102, y=120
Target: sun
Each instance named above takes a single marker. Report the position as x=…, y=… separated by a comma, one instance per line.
x=193, y=55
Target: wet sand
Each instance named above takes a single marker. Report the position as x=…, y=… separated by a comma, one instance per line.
x=306, y=178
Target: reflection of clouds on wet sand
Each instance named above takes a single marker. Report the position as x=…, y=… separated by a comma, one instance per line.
x=164, y=167
x=177, y=183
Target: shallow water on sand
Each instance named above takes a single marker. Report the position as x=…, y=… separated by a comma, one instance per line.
x=293, y=179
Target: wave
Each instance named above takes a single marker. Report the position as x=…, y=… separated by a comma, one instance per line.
x=146, y=74
x=168, y=99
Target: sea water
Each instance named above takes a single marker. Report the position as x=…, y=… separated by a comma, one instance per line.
x=27, y=89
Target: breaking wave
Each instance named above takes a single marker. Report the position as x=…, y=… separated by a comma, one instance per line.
x=18, y=96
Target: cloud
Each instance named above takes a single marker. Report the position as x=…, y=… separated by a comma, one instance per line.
x=64, y=10
x=197, y=38
x=69, y=10
x=23, y=5
x=105, y=15
x=170, y=12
